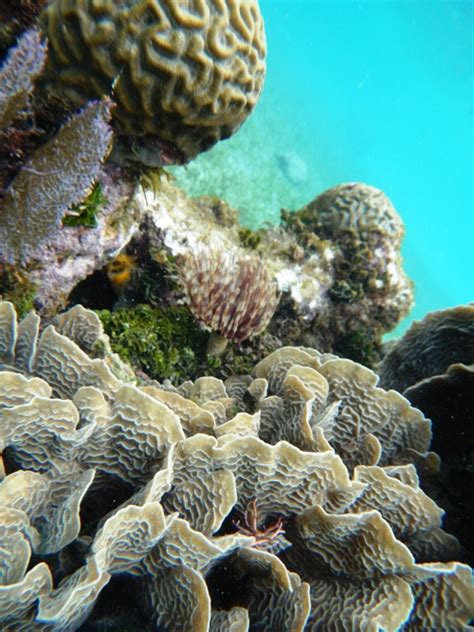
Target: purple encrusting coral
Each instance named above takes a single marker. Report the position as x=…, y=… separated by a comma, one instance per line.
x=58, y=174
x=23, y=64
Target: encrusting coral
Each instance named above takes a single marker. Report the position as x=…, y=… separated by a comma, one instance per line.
x=147, y=506
x=52, y=180
x=18, y=73
x=46, y=174
x=23, y=65
x=184, y=75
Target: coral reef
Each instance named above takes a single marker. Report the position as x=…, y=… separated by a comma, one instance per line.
x=130, y=507
x=183, y=76
x=290, y=492
x=336, y=263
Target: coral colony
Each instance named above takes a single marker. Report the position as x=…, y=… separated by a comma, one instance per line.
x=193, y=432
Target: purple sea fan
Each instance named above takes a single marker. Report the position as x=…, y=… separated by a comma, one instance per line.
x=234, y=296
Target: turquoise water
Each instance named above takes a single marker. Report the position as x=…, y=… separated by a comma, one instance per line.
x=378, y=92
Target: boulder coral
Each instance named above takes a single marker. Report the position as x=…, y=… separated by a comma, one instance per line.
x=142, y=507
x=183, y=74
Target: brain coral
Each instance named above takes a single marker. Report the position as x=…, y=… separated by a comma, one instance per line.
x=126, y=507
x=355, y=230
x=184, y=72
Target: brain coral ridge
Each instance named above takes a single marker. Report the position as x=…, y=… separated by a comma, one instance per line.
x=185, y=73
x=156, y=507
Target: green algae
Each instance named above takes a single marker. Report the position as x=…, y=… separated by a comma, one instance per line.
x=163, y=343
x=360, y=346
x=250, y=238
x=14, y=287
x=85, y=213
x=169, y=343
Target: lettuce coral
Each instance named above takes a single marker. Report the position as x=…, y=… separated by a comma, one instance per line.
x=433, y=366
x=113, y=486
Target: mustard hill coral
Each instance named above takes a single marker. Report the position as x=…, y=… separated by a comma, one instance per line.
x=235, y=297
x=183, y=75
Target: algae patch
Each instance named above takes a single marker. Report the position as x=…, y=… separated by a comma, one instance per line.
x=163, y=343
x=14, y=287
x=85, y=213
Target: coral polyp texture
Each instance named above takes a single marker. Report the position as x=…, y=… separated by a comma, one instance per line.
x=157, y=507
x=184, y=73
x=235, y=297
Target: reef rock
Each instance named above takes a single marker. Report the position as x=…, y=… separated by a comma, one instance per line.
x=336, y=262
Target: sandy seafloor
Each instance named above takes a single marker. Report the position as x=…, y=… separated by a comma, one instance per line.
x=375, y=91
